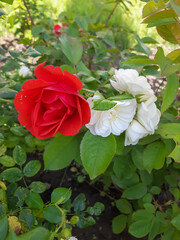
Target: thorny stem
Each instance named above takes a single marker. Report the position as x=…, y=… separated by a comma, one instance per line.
x=30, y=16
x=111, y=13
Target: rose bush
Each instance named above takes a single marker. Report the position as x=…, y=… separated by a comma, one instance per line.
x=51, y=103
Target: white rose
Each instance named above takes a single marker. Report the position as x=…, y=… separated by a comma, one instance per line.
x=128, y=80
x=73, y=238
x=115, y=120
x=148, y=115
x=134, y=132
x=24, y=71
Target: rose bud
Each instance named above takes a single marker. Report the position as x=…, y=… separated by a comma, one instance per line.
x=57, y=28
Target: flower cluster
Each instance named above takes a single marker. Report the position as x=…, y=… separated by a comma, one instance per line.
x=138, y=116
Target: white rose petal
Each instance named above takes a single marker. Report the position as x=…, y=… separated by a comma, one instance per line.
x=115, y=120
x=24, y=71
x=73, y=238
x=134, y=132
x=128, y=80
x=148, y=115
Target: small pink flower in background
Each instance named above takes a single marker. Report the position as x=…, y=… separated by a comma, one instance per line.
x=57, y=29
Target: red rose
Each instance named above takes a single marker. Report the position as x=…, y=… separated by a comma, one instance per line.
x=51, y=103
x=57, y=27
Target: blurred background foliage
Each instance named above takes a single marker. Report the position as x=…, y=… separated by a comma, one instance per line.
x=124, y=21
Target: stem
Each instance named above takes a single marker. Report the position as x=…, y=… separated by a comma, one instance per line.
x=30, y=16
x=111, y=13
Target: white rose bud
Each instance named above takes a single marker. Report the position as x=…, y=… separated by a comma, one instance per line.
x=73, y=238
x=24, y=71
x=129, y=81
x=115, y=120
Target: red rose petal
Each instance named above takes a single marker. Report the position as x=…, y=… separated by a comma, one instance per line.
x=86, y=112
x=46, y=73
x=71, y=125
x=73, y=80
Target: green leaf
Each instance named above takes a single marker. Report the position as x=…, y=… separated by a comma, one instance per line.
x=60, y=152
x=149, y=207
x=26, y=216
x=79, y=202
x=60, y=195
x=155, y=190
x=123, y=167
x=3, y=227
x=124, y=206
x=7, y=92
x=34, y=201
x=32, y=168
x=19, y=131
x=12, y=236
x=3, y=149
x=137, y=156
x=152, y=7
x=97, y=209
x=154, y=156
x=82, y=22
x=36, y=30
x=19, y=155
x=175, y=154
x=7, y=1
x=12, y=175
x=170, y=32
x=176, y=222
x=121, y=97
x=72, y=48
x=169, y=13
x=32, y=52
x=160, y=59
x=170, y=91
x=96, y=153
x=140, y=228
x=82, y=69
x=176, y=6
x=144, y=48
x=2, y=12
x=174, y=56
x=7, y=161
x=135, y=192
x=1, y=139
x=52, y=214
x=38, y=187
x=154, y=231
x=168, y=130
x=103, y=105
x=119, y=224
x=108, y=37
x=21, y=193
x=142, y=214
x=35, y=234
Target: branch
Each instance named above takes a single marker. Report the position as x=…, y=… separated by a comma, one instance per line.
x=26, y=6
x=111, y=13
